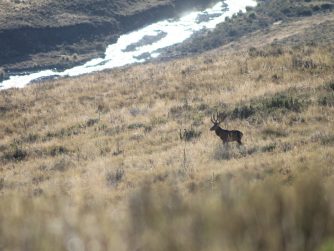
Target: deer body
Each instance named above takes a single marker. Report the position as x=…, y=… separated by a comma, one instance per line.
x=225, y=135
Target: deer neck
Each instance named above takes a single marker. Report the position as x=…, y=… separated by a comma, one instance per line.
x=220, y=130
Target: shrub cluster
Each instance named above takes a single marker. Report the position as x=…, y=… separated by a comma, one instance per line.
x=289, y=101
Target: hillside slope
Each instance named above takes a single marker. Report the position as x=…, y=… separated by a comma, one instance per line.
x=97, y=161
x=261, y=17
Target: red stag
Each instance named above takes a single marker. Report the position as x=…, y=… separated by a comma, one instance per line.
x=225, y=135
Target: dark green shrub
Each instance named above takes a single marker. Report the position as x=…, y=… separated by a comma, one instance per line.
x=327, y=139
x=58, y=150
x=327, y=6
x=136, y=126
x=326, y=100
x=17, y=153
x=316, y=8
x=30, y=138
x=283, y=101
x=243, y=112
x=330, y=86
x=304, y=11
x=92, y=122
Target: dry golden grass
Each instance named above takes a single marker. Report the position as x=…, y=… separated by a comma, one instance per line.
x=73, y=151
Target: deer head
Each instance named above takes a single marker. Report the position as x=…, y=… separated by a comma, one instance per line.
x=216, y=120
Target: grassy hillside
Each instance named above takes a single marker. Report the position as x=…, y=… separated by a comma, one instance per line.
x=97, y=163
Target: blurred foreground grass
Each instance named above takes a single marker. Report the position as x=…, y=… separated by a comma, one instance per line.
x=230, y=212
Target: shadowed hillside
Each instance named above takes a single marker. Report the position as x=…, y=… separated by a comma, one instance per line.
x=38, y=34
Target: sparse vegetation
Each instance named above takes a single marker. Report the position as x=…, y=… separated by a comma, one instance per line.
x=96, y=162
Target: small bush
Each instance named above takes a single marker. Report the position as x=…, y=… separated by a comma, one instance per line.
x=302, y=64
x=189, y=134
x=17, y=153
x=327, y=6
x=330, y=86
x=57, y=150
x=269, y=148
x=113, y=178
x=243, y=112
x=326, y=100
x=92, y=122
x=136, y=126
x=67, y=132
x=280, y=103
x=304, y=11
x=30, y=138
x=180, y=111
x=327, y=139
x=62, y=165
x=157, y=121
x=285, y=102
x=37, y=192
x=252, y=15
x=102, y=107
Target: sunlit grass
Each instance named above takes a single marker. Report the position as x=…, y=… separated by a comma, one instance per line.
x=97, y=161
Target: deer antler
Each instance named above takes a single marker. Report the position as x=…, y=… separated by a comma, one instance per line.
x=215, y=119
x=218, y=118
